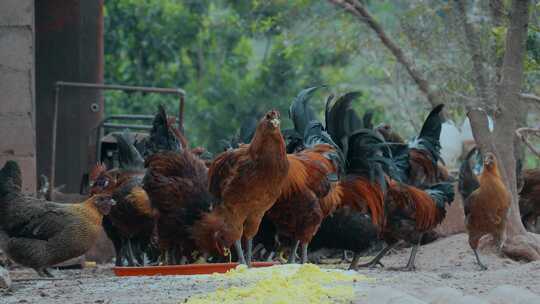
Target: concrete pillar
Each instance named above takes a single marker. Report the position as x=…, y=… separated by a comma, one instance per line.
x=17, y=89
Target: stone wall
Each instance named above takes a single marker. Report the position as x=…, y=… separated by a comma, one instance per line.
x=17, y=98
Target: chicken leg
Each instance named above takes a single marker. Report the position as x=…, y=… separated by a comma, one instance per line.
x=240, y=252
x=410, y=265
x=131, y=256
x=126, y=252
x=482, y=266
x=354, y=262
x=473, y=242
x=139, y=253
x=345, y=257
x=249, y=256
x=292, y=254
x=304, y=253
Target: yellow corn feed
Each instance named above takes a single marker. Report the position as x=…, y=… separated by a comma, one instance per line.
x=283, y=284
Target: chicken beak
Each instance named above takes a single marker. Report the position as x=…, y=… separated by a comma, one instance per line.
x=275, y=122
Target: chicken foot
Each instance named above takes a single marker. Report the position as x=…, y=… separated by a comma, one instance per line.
x=44, y=273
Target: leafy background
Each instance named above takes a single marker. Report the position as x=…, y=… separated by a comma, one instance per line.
x=241, y=58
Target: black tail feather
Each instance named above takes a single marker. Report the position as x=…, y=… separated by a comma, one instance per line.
x=162, y=138
x=433, y=124
x=367, y=119
x=341, y=120
x=429, y=138
x=315, y=135
x=365, y=150
x=366, y=156
x=300, y=112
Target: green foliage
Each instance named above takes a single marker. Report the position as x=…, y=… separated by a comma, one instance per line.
x=233, y=58
x=244, y=57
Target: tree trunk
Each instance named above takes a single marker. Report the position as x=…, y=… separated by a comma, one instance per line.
x=519, y=244
x=510, y=113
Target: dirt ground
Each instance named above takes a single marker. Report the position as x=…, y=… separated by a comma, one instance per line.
x=447, y=262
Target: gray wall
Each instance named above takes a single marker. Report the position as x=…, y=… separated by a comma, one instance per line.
x=17, y=89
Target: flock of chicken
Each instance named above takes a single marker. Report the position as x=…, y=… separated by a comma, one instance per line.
x=343, y=184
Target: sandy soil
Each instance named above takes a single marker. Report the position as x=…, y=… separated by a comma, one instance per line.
x=447, y=262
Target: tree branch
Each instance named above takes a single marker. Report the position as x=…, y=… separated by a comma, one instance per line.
x=523, y=134
x=529, y=97
x=355, y=8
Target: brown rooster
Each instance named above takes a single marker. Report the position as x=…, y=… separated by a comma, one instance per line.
x=411, y=212
x=247, y=181
x=38, y=233
x=486, y=201
x=298, y=213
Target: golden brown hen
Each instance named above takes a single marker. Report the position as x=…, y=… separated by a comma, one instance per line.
x=486, y=202
x=247, y=181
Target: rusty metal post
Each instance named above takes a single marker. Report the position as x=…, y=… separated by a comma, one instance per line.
x=53, y=142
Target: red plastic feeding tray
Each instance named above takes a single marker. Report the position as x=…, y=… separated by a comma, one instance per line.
x=182, y=269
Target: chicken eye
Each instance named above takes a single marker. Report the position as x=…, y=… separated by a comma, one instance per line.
x=102, y=182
